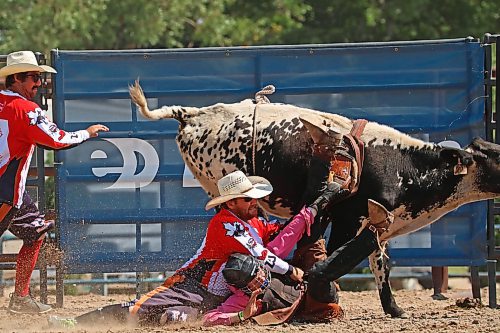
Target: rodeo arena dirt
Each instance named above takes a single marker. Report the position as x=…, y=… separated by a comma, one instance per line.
x=363, y=314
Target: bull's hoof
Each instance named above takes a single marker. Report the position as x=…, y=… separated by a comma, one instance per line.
x=404, y=315
x=397, y=312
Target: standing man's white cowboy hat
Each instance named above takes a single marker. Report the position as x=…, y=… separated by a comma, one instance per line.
x=23, y=61
x=237, y=185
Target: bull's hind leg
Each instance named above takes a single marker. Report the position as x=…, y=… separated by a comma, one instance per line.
x=380, y=268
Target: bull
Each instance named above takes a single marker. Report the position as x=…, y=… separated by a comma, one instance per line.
x=417, y=181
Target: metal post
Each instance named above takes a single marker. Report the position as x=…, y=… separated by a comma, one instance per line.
x=492, y=283
x=139, y=277
x=476, y=286
x=105, y=286
x=99, y=288
x=59, y=284
x=42, y=266
x=2, y=287
x=41, y=100
x=493, y=135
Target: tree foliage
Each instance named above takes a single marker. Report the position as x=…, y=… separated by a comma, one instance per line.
x=389, y=20
x=108, y=24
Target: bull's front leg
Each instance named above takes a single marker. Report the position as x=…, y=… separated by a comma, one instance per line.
x=380, y=269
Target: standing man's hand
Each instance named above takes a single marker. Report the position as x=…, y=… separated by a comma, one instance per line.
x=95, y=129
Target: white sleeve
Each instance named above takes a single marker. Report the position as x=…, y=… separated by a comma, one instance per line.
x=272, y=261
x=45, y=132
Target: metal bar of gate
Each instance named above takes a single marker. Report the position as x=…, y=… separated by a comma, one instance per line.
x=493, y=132
x=40, y=180
x=496, y=250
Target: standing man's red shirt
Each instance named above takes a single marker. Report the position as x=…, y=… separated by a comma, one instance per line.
x=23, y=124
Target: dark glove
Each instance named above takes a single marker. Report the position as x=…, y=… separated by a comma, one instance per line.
x=332, y=193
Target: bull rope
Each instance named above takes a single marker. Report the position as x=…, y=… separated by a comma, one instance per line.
x=260, y=98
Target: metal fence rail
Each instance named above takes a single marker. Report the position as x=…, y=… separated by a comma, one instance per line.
x=493, y=135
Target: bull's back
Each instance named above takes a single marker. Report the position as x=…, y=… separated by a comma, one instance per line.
x=222, y=138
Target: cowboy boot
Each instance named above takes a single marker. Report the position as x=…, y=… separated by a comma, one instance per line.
x=314, y=311
x=305, y=256
x=332, y=194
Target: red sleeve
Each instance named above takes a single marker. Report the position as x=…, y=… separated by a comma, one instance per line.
x=40, y=130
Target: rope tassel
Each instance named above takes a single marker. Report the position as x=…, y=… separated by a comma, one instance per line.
x=260, y=96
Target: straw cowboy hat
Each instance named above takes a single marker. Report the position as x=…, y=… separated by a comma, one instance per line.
x=23, y=61
x=237, y=185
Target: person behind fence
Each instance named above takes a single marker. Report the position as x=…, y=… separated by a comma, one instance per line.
x=199, y=285
x=23, y=125
x=439, y=282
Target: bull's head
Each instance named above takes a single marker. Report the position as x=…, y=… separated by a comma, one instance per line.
x=457, y=159
x=486, y=157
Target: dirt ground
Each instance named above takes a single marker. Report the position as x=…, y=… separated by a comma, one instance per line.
x=363, y=314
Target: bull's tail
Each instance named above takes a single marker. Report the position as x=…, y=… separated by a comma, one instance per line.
x=180, y=113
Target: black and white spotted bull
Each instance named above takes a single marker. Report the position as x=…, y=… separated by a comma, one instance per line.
x=417, y=181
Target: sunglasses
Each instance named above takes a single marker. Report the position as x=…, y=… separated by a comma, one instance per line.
x=35, y=77
x=247, y=199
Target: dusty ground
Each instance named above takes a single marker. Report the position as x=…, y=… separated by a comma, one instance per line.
x=364, y=314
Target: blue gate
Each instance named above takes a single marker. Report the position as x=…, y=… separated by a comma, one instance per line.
x=124, y=200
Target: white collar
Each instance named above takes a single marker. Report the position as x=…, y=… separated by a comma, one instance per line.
x=11, y=93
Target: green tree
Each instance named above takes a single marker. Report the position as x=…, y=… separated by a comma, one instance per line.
x=109, y=24
x=389, y=20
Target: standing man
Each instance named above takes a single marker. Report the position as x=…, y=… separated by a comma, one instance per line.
x=23, y=124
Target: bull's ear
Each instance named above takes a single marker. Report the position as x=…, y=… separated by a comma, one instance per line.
x=321, y=134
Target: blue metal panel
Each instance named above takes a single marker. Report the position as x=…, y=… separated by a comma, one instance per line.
x=433, y=89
